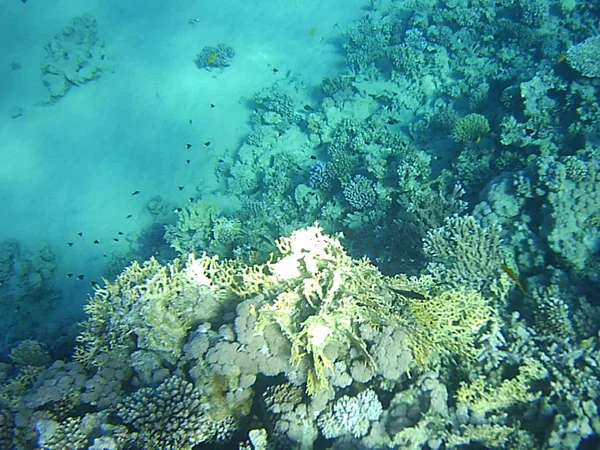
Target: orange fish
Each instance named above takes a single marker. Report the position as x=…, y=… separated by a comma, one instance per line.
x=514, y=277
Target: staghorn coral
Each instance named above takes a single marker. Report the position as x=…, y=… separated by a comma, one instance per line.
x=464, y=254
x=483, y=396
x=155, y=305
x=327, y=294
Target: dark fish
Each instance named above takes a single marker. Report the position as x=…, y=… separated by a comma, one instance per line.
x=129, y=216
x=191, y=199
x=188, y=146
x=69, y=275
x=187, y=161
x=407, y=294
x=275, y=70
x=80, y=233
x=120, y=233
x=180, y=188
x=96, y=241
x=212, y=105
x=70, y=244
x=135, y=192
x=177, y=210
x=207, y=143
x=115, y=239
x=190, y=121
x=80, y=277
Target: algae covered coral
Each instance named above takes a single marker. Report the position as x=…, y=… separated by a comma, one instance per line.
x=200, y=341
x=447, y=298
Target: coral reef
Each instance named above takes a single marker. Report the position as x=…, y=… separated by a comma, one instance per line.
x=171, y=416
x=219, y=57
x=74, y=56
x=583, y=57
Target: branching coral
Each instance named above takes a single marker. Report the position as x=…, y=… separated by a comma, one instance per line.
x=470, y=128
x=151, y=306
x=584, y=57
x=464, y=254
x=351, y=415
x=171, y=416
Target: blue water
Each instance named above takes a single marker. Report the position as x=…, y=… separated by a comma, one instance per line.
x=451, y=139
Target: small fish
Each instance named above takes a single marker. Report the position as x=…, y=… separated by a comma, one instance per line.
x=308, y=108
x=188, y=146
x=207, y=143
x=116, y=239
x=135, y=192
x=177, y=210
x=180, y=188
x=210, y=59
x=191, y=199
x=69, y=275
x=94, y=284
x=187, y=161
x=96, y=242
x=70, y=244
x=478, y=140
x=212, y=105
x=120, y=233
x=513, y=276
x=275, y=70
x=80, y=277
x=190, y=121
x=129, y=216
x=407, y=293
x=80, y=233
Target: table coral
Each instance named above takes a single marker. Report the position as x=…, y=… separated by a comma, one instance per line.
x=584, y=57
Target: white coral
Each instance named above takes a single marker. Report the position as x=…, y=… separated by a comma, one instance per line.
x=351, y=415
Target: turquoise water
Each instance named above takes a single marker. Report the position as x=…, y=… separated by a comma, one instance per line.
x=452, y=141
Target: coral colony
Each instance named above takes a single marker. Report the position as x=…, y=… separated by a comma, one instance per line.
x=412, y=262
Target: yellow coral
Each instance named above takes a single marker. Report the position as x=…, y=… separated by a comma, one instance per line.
x=446, y=323
x=483, y=396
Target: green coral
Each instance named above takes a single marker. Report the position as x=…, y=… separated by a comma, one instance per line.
x=470, y=128
x=151, y=305
x=584, y=57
